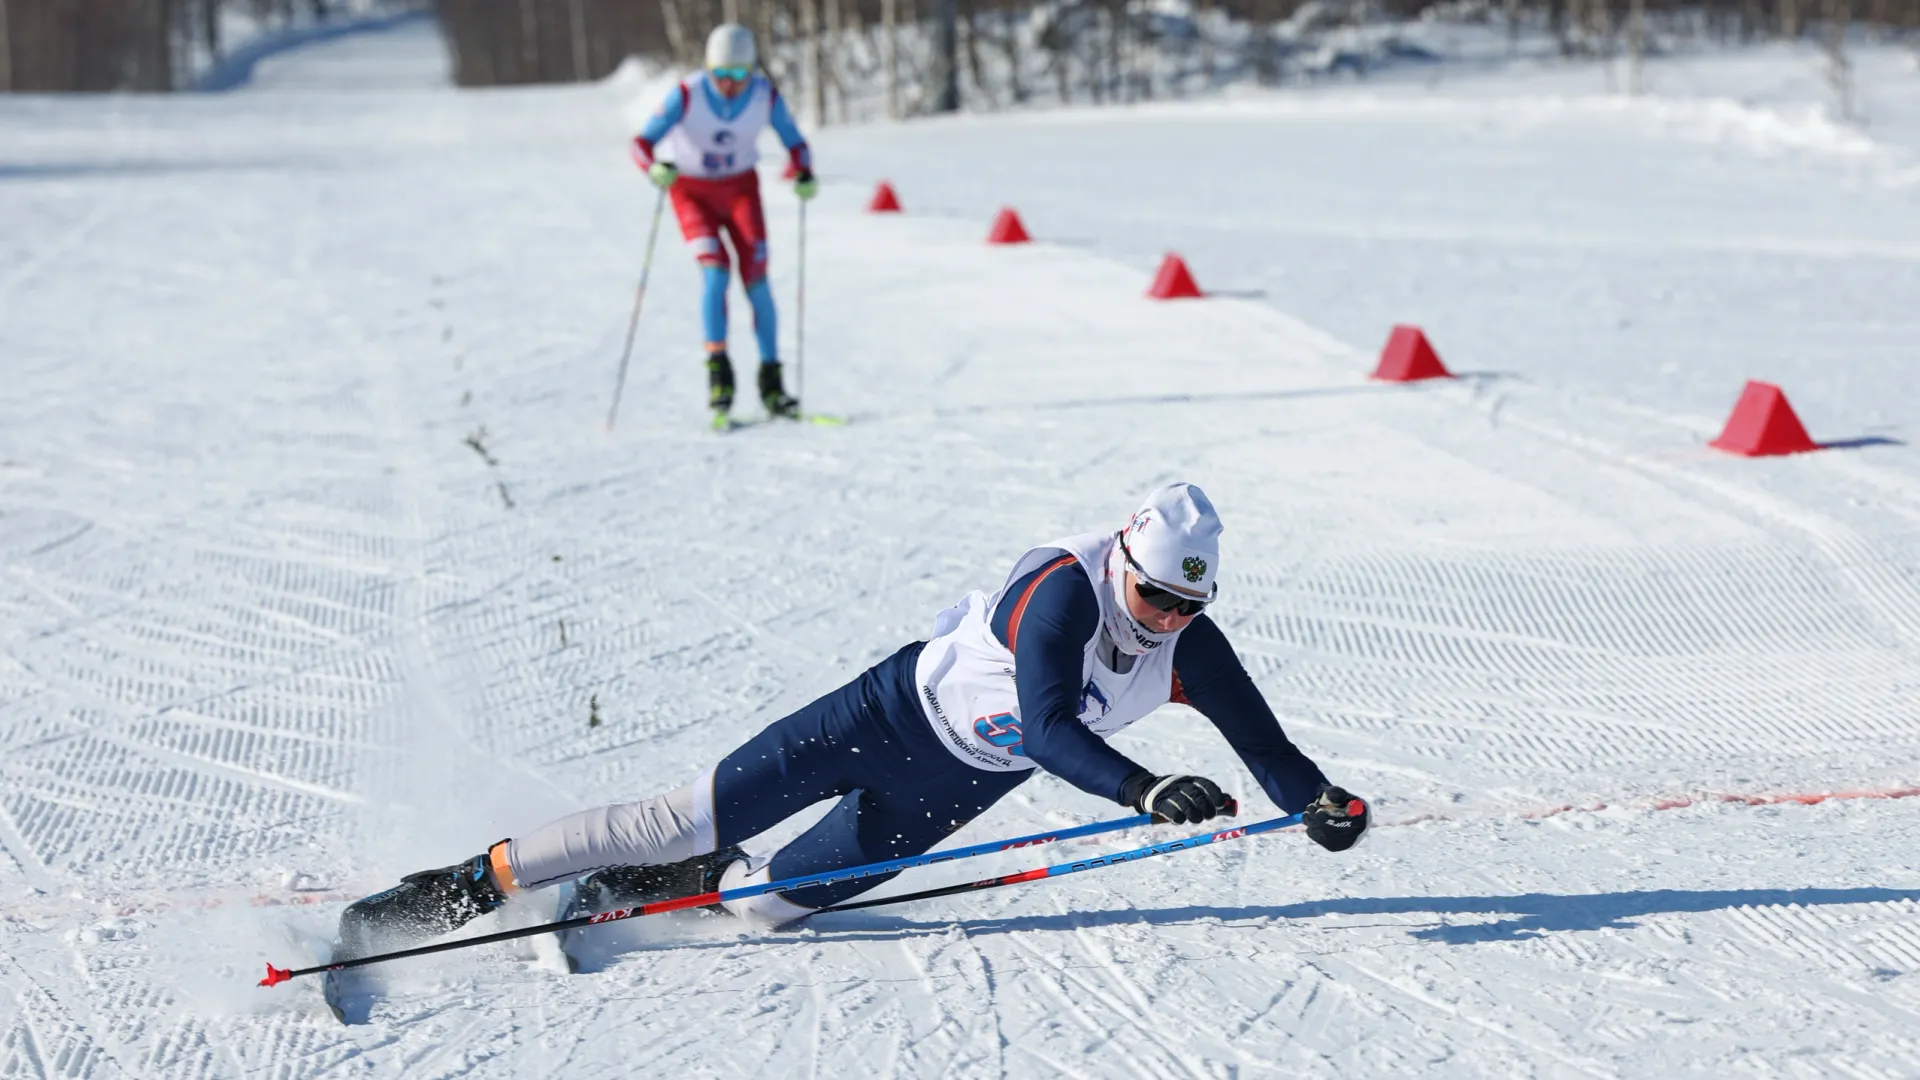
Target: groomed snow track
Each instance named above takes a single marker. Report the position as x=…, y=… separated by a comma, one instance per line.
x=315, y=564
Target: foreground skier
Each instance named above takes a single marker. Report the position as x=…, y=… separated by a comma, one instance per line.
x=706, y=134
x=1102, y=628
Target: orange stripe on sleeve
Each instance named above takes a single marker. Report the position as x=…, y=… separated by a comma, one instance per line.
x=1020, y=606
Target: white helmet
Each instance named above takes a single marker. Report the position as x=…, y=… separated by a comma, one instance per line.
x=730, y=45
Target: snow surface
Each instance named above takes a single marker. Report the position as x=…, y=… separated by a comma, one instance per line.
x=315, y=561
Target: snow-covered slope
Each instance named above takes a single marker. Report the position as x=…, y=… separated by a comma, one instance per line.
x=315, y=562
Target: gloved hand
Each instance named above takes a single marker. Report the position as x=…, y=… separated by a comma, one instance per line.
x=1183, y=800
x=1337, y=819
x=804, y=185
x=662, y=174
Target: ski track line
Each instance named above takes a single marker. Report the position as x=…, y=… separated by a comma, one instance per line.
x=37, y=874
x=1151, y=1035
x=1459, y=1011
x=989, y=992
x=90, y=1040
x=72, y=238
x=1086, y=940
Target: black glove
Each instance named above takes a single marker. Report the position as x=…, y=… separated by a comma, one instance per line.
x=1182, y=800
x=1337, y=819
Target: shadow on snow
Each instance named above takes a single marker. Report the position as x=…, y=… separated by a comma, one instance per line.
x=1535, y=914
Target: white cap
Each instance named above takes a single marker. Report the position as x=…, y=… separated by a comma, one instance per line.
x=1174, y=540
x=730, y=45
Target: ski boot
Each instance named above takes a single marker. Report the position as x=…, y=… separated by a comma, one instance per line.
x=719, y=387
x=423, y=906
x=631, y=886
x=773, y=395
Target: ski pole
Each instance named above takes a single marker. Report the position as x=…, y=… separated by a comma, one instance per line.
x=276, y=976
x=639, y=296
x=1094, y=863
x=800, y=311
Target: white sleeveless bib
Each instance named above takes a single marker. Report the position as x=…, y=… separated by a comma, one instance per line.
x=706, y=146
x=966, y=677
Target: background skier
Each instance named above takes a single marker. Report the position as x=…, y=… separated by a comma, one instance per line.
x=1103, y=628
x=701, y=146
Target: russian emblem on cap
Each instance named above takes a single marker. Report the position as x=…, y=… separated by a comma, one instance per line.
x=1193, y=567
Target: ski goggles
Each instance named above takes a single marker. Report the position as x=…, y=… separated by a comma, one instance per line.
x=1160, y=597
x=737, y=74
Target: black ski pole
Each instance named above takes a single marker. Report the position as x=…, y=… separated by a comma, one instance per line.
x=275, y=975
x=639, y=296
x=800, y=312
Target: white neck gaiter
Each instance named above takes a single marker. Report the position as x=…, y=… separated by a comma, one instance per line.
x=1122, y=628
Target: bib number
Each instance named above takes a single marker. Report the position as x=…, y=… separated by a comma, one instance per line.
x=1003, y=731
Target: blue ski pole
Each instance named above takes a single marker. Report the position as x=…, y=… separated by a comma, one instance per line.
x=1075, y=867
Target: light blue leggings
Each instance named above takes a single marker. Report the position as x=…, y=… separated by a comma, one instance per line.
x=766, y=320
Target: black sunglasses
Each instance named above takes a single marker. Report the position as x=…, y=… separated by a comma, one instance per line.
x=1164, y=600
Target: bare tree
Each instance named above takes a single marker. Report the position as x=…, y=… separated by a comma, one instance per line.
x=947, y=57
x=1839, y=14
x=577, y=24
x=890, y=54
x=1010, y=46
x=6, y=50
x=815, y=80
x=1636, y=45
x=1203, y=13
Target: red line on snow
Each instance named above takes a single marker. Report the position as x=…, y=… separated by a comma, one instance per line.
x=1677, y=802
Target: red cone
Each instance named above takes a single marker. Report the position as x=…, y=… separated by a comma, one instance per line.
x=1409, y=357
x=1007, y=229
x=1174, y=281
x=1763, y=424
x=884, y=200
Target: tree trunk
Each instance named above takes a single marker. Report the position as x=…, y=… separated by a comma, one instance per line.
x=947, y=58
x=1603, y=29
x=1203, y=16
x=577, y=22
x=1573, y=34
x=890, y=53
x=1010, y=43
x=1636, y=45
x=1114, y=71
x=1790, y=19
x=676, y=30
x=529, y=43
x=816, y=81
x=830, y=55
x=6, y=51
x=1839, y=68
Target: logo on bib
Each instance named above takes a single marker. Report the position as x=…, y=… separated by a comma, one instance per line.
x=1090, y=695
x=1193, y=567
x=723, y=137
x=1003, y=731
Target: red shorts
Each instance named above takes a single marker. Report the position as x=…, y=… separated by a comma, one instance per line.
x=706, y=207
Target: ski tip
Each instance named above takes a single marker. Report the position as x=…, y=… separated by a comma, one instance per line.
x=276, y=976
x=826, y=420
